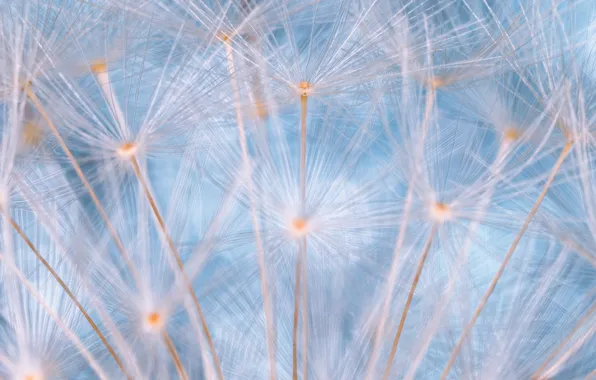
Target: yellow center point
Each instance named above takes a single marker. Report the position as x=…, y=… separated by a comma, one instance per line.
x=440, y=212
x=153, y=319
x=127, y=150
x=223, y=36
x=299, y=227
x=261, y=110
x=32, y=377
x=299, y=224
x=98, y=67
x=305, y=87
x=511, y=134
x=436, y=82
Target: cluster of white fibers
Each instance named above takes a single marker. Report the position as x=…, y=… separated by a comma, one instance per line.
x=297, y=189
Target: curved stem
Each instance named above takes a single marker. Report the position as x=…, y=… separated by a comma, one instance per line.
x=303, y=104
x=301, y=269
x=69, y=293
x=59, y=322
x=304, y=312
x=462, y=259
x=512, y=248
x=296, y=313
x=253, y=213
x=176, y=255
x=404, y=313
x=112, y=231
x=393, y=271
x=172, y=350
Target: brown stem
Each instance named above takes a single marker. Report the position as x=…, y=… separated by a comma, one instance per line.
x=303, y=104
x=296, y=312
x=174, y=250
x=404, y=314
x=66, y=289
x=270, y=332
x=302, y=272
x=41, y=109
x=304, y=312
x=512, y=249
x=172, y=350
x=393, y=271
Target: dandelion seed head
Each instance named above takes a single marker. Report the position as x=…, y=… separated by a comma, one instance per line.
x=423, y=116
x=127, y=150
x=261, y=110
x=33, y=377
x=511, y=134
x=223, y=36
x=29, y=370
x=436, y=82
x=299, y=227
x=305, y=88
x=154, y=321
x=99, y=66
x=441, y=212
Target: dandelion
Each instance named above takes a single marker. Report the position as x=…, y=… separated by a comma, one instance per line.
x=333, y=189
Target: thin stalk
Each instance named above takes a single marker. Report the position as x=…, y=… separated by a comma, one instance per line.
x=512, y=248
x=303, y=104
x=253, y=213
x=103, y=78
x=296, y=312
x=112, y=231
x=45, y=218
x=393, y=271
x=495, y=169
x=174, y=250
x=304, y=312
x=68, y=292
x=404, y=314
x=538, y=374
x=172, y=350
x=59, y=322
x=302, y=252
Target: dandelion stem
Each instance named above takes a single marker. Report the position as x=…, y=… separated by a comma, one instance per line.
x=59, y=322
x=172, y=350
x=512, y=248
x=404, y=314
x=41, y=109
x=301, y=253
x=538, y=374
x=100, y=71
x=495, y=169
x=296, y=312
x=304, y=311
x=68, y=292
x=303, y=104
x=255, y=221
x=393, y=271
x=137, y=170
